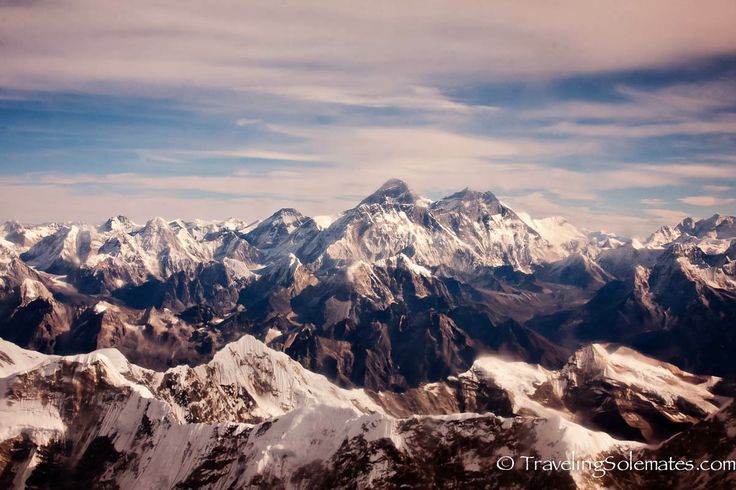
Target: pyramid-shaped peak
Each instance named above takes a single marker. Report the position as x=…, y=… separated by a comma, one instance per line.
x=157, y=223
x=393, y=191
x=287, y=212
x=717, y=220
x=394, y=184
x=470, y=201
x=119, y=222
x=687, y=225
x=284, y=216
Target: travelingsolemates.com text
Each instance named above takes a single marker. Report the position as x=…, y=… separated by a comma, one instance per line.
x=599, y=468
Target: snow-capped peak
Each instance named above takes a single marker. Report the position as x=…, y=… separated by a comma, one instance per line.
x=393, y=191
x=117, y=223
x=274, y=230
x=473, y=204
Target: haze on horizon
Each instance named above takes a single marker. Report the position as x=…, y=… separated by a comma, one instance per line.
x=616, y=115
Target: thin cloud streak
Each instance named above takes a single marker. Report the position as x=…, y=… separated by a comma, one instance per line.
x=708, y=201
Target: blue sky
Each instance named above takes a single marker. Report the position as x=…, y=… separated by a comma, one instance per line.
x=619, y=116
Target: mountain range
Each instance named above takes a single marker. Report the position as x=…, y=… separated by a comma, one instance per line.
x=402, y=342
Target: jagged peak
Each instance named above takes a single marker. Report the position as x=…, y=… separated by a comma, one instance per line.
x=715, y=227
x=473, y=202
x=393, y=191
x=687, y=225
x=663, y=235
x=284, y=214
x=684, y=250
x=118, y=222
x=272, y=230
x=12, y=224
x=287, y=217
x=157, y=222
x=287, y=211
x=394, y=183
x=590, y=357
x=403, y=261
x=469, y=194
x=682, y=255
x=717, y=220
x=179, y=223
x=665, y=229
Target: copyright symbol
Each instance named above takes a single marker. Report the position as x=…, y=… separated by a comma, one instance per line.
x=505, y=463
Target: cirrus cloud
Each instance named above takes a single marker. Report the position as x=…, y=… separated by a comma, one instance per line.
x=708, y=201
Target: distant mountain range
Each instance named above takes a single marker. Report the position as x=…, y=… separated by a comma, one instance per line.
x=489, y=325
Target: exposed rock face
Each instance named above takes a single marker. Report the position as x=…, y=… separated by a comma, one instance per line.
x=681, y=309
x=711, y=440
x=576, y=270
x=394, y=292
x=447, y=332
x=252, y=417
x=608, y=387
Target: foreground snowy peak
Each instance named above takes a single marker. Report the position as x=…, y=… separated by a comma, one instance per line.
x=244, y=382
x=607, y=387
x=104, y=422
x=95, y=420
x=248, y=382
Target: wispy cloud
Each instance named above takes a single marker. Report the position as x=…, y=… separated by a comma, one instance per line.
x=718, y=188
x=246, y=122
x=653, y=202
x=666, y=215
x=722, y=124
x=539, y=205
x=708, y=200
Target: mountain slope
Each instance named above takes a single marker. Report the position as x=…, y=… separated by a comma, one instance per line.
x=681, y=309
x=97, y=420
x=392, y=293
